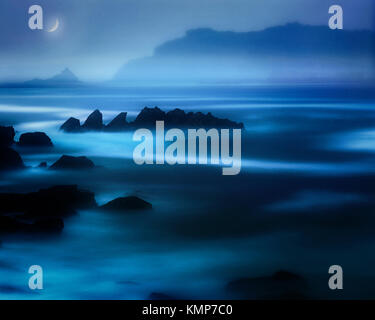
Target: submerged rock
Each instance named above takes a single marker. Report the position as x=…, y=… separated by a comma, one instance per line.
x=35, y=139
x=70, y=162
x=71, y=125
x=127, y=204
x=94, y=121
x=118, y=123
x=48, y=225
x=42, y=165
x=6, y=136
x=17, y=224
x=281, y=285
x=57, y=201
x=10, y=159
x=160, y=296
x=42, y=211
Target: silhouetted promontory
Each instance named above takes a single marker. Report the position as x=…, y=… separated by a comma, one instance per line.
x=147, y=118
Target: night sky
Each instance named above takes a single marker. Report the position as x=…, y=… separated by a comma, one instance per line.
x=96, y=37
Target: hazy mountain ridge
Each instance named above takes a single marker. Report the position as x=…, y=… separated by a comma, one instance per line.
x=282, y=52
x=65, y=78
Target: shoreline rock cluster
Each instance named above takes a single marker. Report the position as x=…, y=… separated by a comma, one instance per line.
x=147, y=118
x=46, y=209
x=10, y=158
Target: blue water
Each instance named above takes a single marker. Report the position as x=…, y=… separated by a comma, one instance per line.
x=302, y=202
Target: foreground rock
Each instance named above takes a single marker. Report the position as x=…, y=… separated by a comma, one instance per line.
x=57, y=201
x=94, y=121
x=42, y=211
x=44, y=225
x=72, y=163
x=280, y=285
x=71, y=125
x=35, y=139
x=131, y=203
x=10, y=159
x=6, y=136
x=176, y=118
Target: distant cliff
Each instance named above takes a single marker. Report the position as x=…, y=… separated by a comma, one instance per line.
x=290, y=52
x=65, y=78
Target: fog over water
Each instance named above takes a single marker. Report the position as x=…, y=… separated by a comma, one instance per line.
x=302, y=202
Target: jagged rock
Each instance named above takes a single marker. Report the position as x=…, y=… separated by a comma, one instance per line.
x=35, y=139
x=6, y=136
x=57, y=201
x=70, y=162
x=71, y=125
x=176, y=117
x=118, y=123
x=281, y=285
x=10, y=159
x=94, y=121
x=127, y=204
x=148, y=116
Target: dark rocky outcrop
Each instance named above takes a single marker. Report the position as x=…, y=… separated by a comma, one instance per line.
x=281, y=285
x=118, y=123
x=131, y=203
x=94, y=121
x=48, y=225
x=71, y=125
x=42, y=211
x=147, y=118
x=57, y=201
x=10, y=159
x=35, y=139
x=176, y=117
x=72, y=163
x=42, y=165
x=18, y=224
x=6, y=136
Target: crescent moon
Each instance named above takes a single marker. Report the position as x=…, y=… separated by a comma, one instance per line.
x=55, y=27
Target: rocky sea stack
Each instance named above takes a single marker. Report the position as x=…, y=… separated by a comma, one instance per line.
x=176, y=118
